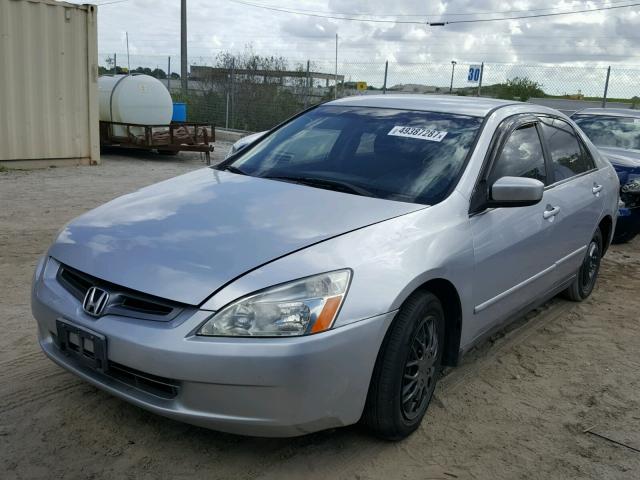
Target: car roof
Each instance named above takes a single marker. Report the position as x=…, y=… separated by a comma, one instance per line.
x=612, y=112
x=461, y=105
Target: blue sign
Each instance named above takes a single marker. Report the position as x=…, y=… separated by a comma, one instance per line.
x=474, y=73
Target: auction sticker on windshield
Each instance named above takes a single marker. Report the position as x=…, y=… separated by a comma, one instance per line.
x=417, y=132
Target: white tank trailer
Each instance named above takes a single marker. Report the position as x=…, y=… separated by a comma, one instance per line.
x=134, y=99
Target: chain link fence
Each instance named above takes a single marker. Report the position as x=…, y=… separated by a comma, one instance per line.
x=255, y=93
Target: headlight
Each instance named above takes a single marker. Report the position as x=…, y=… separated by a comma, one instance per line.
x=631, y=187
x=301, y=307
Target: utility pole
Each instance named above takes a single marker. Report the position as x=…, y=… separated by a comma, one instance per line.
x=307, y=93
x=128, y=60
x=335, y=90
x=183, y=45
x=453, y=69
x=233, y=90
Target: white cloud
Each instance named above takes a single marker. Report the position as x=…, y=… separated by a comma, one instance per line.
x=594, y=39
x=154, y=27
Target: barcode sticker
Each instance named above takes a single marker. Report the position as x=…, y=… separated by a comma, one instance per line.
x=417, y=132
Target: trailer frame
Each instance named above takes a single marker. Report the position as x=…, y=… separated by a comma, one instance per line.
x=198, y=137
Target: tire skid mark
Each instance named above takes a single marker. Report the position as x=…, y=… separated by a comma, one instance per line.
x=25, y=396
x=25, y=375
x=22, y=360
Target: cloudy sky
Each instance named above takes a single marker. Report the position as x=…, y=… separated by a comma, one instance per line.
x=596, y=38
x=606, y=36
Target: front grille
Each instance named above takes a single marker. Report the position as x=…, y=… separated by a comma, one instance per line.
x=152, y=384
x=631, y=200
x=77, y=285
x=144, y=306
x=122, y=301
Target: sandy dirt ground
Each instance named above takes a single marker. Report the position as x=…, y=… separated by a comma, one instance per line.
x=547, y=398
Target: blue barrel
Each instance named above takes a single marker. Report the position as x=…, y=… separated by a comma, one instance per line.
x=179, y=112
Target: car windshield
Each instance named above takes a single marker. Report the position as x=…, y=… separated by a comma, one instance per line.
x=611, y=131
x=402, y=155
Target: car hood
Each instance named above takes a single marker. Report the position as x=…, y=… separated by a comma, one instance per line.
x=184, y=238
x=622, y=158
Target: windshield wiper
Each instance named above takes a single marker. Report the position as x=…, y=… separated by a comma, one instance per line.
x=233, y=169
x=325, y=183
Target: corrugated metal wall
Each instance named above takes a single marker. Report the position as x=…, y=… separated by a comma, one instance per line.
x=48, y=83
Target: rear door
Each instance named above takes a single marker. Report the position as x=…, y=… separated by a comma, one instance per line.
x=512, y=246
x=574, y=193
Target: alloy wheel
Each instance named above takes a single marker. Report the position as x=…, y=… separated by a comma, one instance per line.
x=590, y=266
x=419, y=372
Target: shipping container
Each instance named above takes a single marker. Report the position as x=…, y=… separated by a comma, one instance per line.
x=48, y=84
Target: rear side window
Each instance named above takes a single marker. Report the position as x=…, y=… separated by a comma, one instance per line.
x=567, y=155
x=521, y=156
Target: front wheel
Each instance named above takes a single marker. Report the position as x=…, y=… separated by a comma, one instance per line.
x=407, y=369
x=585, y=280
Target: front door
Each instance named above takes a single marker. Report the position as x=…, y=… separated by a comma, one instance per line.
x=513, y=246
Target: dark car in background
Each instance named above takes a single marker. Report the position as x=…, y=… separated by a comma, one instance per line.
x=616, y=133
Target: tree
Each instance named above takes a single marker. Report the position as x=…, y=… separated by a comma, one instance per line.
x=109, y=71
x=158, y=73
x=520, y=88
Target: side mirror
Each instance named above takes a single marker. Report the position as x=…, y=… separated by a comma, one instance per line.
x=516, y=192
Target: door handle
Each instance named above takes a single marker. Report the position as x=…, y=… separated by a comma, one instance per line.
x=596, y=189
x=551, y=212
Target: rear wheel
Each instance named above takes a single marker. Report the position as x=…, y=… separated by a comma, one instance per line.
x=407, y=369
x=587, y=276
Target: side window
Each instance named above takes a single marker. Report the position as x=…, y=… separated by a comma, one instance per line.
x=521, y=156
x=567, y=155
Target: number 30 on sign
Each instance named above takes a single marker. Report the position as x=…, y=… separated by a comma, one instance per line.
x=474, y=73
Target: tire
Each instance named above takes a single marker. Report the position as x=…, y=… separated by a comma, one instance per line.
x=413, y=347
x=587, y=276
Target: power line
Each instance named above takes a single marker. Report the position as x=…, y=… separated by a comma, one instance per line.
x=430, y=23
x=445, y=54
x=542, y=15
x=111, y=3
x=302, y=11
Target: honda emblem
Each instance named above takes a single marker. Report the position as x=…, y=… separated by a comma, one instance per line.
x=94, y=301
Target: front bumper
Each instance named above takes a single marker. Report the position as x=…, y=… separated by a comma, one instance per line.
x=628, y=222
x=249, y=386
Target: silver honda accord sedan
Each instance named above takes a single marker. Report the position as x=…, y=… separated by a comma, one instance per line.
x=325, y=274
